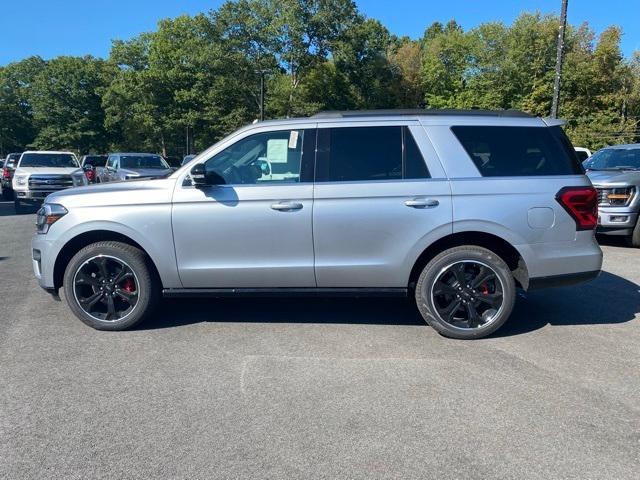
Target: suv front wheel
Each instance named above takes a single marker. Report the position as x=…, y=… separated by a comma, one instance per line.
x=109, y=285
x=466, y=292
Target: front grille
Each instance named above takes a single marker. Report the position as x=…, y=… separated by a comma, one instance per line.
x=50, y=182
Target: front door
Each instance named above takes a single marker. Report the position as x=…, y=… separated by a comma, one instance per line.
x=253, y=228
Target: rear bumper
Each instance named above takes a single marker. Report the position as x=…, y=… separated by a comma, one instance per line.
x=559, y=259
x=539, y=283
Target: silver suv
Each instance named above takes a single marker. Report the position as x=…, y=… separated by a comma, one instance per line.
x=456, y=208
x=615, y=172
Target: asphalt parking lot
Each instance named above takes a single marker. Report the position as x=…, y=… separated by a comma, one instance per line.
x=319, y=388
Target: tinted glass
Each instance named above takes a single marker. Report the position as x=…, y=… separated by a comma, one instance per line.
x=95, y=160
x=615, y=159
x=61, y=160
x=519, y=151
x=13, y=156
x=582, y=155
x=364, y=153
x=414, y=166
x=143, y=161
x=261, y=158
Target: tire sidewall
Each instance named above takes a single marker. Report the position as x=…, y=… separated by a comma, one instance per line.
x=135, y=259
x=432, y=270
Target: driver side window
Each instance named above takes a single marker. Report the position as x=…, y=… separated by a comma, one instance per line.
x=261, y=158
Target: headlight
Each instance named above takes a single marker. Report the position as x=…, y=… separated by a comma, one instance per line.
x=620, y=197
x=22, y=179
x=49, y=214
x=79, y=179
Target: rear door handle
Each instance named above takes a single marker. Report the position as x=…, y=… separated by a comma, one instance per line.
x=286, y=206
x=422, y=203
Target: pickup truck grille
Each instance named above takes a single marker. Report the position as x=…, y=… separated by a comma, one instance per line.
x=50, y=182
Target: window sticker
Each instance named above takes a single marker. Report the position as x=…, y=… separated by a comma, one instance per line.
x=277, y=150
x=293, y=139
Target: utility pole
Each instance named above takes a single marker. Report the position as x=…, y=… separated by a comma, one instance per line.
x=262, y=73
x=559, y=57
x=262, y=95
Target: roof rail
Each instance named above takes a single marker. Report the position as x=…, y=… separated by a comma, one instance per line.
x=421, y=112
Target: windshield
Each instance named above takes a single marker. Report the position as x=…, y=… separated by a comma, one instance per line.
x=146, y=161
x=56, y=160
x=95, y=160
x=614, y=159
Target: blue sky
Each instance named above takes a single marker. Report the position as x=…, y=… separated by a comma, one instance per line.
x=77, y=27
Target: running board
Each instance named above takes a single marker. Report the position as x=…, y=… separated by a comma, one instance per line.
x=287, y=292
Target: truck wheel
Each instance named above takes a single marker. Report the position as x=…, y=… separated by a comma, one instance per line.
x=18, y=207
x=7, y=194
x=634, y=239
x=466, y=292
x=109, y=285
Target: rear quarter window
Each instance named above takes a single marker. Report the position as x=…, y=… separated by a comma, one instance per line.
x=519, y=151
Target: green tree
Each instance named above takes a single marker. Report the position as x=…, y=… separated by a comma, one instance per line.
x=17, y=129
x=67, y=106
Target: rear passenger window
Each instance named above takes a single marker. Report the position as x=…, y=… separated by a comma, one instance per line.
x=518, y=151
x=368, y=154
x=414, y=166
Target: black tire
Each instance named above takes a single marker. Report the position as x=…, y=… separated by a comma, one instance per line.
x=146, y=287
x=18, y=207
x=468, y=259
x=7, y=194
x=634, y=239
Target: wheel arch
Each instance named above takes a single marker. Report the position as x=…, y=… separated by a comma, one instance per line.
x=498, y=245
x=78, y=242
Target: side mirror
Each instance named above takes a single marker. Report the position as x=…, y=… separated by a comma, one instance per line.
x=201, y=178
x=199, y=175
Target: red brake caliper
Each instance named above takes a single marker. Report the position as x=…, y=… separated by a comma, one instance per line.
x=485, y=289
x=128, y=285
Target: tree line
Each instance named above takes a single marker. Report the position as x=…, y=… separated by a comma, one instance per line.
x=203, y=72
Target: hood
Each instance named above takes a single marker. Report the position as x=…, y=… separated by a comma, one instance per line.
x=46, y=170
x=142, y=192
x=614, y=177
x=145, y=172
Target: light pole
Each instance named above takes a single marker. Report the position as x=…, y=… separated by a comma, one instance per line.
x=262, y=73
x=559, y=57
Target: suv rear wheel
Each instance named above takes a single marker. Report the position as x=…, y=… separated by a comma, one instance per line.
x=109, y=286
x=466, y=292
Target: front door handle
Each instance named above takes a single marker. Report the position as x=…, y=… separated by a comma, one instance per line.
x=422, y=203
x=286, y=206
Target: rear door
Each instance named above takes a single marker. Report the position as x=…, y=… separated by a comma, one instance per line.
x=380, y=198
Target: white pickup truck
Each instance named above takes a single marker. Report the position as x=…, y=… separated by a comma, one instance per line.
x=39, y=173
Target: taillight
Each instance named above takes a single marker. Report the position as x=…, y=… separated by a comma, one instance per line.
x=6, y=174
x=582, y=204
x=90, y=174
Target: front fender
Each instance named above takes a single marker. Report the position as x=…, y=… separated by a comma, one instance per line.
x=155, y=238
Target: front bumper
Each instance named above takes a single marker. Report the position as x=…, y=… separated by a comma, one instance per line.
x=35, y=195
x=616, y=221
x=42, y=261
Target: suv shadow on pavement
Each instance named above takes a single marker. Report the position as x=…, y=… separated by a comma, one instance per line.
x=609, y=299
x=8, y=210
